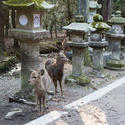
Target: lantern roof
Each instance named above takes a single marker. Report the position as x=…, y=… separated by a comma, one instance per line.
x=94, y=5
x=118, y=19
x=79, y=27
x=40, y=4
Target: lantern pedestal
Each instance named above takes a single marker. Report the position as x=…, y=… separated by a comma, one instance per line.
x=77, y=57
x=78, y=63
x=29, y=60
x=98, y=66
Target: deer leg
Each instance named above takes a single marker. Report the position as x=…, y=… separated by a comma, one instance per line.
x=37, y=103
x=40, y=103
x=60, y=83
x=44, y=104
x=55, y=84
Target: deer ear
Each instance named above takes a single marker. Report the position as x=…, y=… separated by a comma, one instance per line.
x=42, y=72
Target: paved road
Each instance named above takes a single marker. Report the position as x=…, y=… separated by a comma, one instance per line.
x=113, y=104
x=108, y=110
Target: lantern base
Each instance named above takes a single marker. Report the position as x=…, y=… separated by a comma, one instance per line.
x=80, y=80
x=115, y=65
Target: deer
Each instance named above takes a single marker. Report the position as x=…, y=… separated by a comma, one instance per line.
x=38, y=81
x=55, y=70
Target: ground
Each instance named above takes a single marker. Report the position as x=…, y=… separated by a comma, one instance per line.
x=10, y=85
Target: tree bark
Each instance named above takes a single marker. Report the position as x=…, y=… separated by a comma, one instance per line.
x=106, y=9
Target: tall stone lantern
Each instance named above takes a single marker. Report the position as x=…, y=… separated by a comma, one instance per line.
x=29, y=31
x=115, y=36
x=93, y=6
x=78, y=44
x=98, y=44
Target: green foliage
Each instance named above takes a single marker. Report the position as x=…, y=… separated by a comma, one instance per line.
x=63, y=14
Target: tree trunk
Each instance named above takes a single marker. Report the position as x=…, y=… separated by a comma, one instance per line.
x=1, y=39
x=13, y=18
x=69, y=11
x=106, y=9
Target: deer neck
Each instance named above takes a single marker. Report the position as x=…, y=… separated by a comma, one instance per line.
x=60, y=64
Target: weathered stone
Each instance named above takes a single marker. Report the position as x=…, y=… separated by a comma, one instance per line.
x=28, y=35
x=77, y=61
x=15, y=71
x=117, y=19
x=14, y=112
x=78, y=27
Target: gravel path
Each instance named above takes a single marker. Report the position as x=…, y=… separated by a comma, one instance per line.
x=10, y=85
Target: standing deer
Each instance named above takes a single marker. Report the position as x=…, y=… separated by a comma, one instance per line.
x=38, y=81
x=55, y=70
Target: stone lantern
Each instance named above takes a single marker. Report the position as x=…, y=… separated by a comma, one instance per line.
x=93, y=6
x=98, y=44
x=114, y=37
x=77, y=33
x=29, y=31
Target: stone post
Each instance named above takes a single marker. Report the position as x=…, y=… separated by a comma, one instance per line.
x=98, y=60
x=78, y=58
x=77, y=61
x=29, y=60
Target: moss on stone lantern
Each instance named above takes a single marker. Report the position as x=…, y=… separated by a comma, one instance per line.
x=100, y=27
x=98, y=24
x=117, y=19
